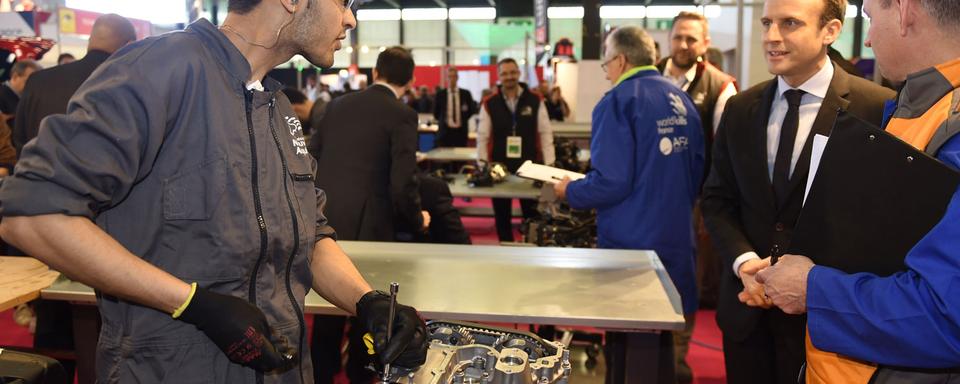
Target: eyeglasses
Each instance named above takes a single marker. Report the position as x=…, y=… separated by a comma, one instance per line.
x=606, y=63
x=348, y=4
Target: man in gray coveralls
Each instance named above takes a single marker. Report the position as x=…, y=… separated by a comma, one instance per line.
x=179, y=186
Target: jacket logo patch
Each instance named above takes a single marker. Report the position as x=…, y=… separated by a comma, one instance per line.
x=526, y=111
x=296, y=131
x=677, y=103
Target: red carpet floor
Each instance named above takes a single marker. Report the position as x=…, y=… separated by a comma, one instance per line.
x=705, y=356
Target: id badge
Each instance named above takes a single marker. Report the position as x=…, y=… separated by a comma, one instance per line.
x=514, y=147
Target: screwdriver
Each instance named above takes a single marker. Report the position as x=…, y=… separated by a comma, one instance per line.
x=394, y=289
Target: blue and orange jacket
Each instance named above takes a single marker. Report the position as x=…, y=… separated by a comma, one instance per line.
x=909, y=319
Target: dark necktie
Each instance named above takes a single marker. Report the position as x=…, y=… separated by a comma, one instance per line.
x=788, y=136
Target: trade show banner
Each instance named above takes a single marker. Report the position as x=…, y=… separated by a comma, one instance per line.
x=19, y=24
x=79, y=22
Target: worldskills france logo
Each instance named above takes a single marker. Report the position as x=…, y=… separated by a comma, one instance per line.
x=667, y=127
x=296, y=131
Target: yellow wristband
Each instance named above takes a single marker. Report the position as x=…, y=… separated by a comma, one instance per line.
x=179, y=311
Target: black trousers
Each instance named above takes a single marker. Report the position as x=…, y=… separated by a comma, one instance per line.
x=325, y=350
x=772, y=353
x=503, y=213
x=456, y=137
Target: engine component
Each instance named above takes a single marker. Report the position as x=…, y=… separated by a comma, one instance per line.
x=468, y=353
x=487, y=174
x=558, y=225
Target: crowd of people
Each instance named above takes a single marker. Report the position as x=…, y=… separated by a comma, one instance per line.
x=207, y=229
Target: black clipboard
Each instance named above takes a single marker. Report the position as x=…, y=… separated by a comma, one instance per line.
x=872, y=199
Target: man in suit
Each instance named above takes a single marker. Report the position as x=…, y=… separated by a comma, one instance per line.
x=366, y=156
x=761, y=157
x=453, y=108
x=48, y=91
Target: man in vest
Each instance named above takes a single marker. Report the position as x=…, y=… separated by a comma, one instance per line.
x=909, y=319
x=647, y=155
x=514, y=127
x=707, y=85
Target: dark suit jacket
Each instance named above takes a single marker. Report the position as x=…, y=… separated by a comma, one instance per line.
x=467, y=108
x=48, y=92
x=366, y=152
x=739, y=207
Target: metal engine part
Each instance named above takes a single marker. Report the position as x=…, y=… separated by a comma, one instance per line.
x=467, y=353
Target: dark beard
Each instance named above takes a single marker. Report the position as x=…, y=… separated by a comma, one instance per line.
x=676, y=64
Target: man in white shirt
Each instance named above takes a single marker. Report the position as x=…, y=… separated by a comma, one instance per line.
x=514, y=127
x=761, y=157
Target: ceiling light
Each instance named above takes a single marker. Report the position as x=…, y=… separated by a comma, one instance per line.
x=476, y=13
x=378, y=15
x=565, y=12
x=622, y=12
x=424, y=14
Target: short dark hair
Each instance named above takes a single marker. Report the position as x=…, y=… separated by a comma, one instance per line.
x=685, y=15
x=507, y=61
x=395, y=65
x=833, y=9
x=64, y=56
x=242, y=6
x=294, y=95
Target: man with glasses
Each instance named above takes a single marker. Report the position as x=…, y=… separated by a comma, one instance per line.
x=182, y=191
x=647, y=159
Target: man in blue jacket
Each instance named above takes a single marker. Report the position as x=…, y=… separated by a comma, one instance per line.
x=647, y=157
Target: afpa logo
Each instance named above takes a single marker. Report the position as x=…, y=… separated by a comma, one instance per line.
x=677, y=103
x=670, y=145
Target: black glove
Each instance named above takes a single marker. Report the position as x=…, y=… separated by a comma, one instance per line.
x=238, y=328
x=408, y=342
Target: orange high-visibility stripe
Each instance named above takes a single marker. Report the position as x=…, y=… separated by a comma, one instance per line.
x=918, y=132
x=831, y=368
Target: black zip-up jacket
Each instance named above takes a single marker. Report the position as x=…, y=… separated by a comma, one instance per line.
x=166, y=149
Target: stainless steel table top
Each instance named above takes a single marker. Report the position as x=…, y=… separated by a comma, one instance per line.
x=452, y=154
x=571, y=130
x=469, y=154
x=513, y=187
x=609, y=289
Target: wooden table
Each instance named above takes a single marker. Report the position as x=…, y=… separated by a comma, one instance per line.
x=617, y=290
x=21, y=279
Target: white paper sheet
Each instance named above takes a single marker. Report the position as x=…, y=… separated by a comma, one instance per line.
x=529, y=170
x=819, y=144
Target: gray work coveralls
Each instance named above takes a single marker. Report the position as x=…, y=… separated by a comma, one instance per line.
x=168, y=152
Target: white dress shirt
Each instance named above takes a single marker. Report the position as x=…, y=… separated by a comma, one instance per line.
x=543, y=128
x=684, y=83
x=816, y=89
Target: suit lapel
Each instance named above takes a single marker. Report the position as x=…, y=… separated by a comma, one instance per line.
x=834, y=101
x=760, y=111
